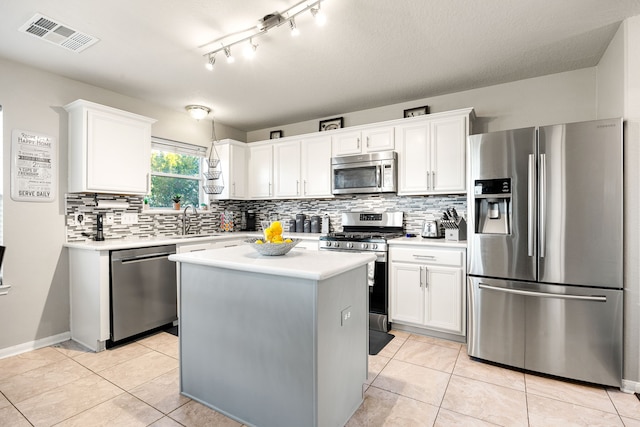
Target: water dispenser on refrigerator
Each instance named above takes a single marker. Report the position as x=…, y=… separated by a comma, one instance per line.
x=492, y=198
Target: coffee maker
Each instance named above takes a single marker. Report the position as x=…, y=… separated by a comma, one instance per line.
x=248, y=220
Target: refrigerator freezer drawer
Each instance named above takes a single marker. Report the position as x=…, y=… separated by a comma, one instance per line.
x=567, y=331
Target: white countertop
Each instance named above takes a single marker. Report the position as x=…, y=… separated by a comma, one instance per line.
x=421, y=241
x=311, y=265
x=131, y=243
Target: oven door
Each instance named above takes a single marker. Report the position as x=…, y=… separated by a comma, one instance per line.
x=363, y=177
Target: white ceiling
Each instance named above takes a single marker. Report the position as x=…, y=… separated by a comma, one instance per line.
x=370, y=53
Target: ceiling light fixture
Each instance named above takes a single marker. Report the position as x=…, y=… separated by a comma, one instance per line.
x=210, y=62
x=250, y=50
x=265, y=24
x=230, y=58
x=295, y=32
x=198, y=112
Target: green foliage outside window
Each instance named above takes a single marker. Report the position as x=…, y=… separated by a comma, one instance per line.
x=173, y=174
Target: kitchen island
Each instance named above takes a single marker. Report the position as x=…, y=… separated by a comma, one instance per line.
x=274, y=341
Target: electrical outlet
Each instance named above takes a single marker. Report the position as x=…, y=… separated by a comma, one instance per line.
x=108, y=219
x=129, y=218
x=345, y=316
x=78, y=218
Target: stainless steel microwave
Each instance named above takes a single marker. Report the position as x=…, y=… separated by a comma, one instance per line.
x=365, y=173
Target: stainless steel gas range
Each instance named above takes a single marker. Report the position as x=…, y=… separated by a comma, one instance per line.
x=369, y=232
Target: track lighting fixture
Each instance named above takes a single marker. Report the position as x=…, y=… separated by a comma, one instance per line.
x=250, y=50
x=295, y=32
x=198, y=112
x=230, y=58
x=265, y=24
x=210, y=62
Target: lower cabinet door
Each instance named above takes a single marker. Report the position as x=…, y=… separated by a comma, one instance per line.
x=443, y=299
x=407, y=294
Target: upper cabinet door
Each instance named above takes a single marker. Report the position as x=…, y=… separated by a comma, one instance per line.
x=414, y=169
x=378, y=139
x=316, y=167
x=448, y=155
x=286, y=169
x=347, y=143
x=109, y=149
x=261, y=171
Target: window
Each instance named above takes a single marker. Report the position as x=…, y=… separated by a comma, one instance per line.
x=176, y=169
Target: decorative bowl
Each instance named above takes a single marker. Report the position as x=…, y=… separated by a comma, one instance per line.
x=272, y=249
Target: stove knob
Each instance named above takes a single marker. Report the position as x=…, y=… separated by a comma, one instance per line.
x=365, y=245
x=349, y=245
x=374, y=246
x=327, y=244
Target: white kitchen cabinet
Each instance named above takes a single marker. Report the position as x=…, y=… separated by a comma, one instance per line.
x=302, y=168
x=316, y=166
x=260, y=171
x=432, y=154
x=233, y=164
x=367, y=140
x=427, y=288
x=287, y=169
x=104, y=140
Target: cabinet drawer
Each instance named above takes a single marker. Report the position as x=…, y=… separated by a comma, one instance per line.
x=427, y=256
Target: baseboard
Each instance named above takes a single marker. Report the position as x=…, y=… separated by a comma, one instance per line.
x=34, y=345
x=428, y=332
x=629, y=386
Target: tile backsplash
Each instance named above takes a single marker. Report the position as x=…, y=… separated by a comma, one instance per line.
x=153, y=223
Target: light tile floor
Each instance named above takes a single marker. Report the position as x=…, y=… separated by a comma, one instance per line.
x=413, y=381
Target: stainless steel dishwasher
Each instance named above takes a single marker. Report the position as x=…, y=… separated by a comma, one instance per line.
x=143, y=290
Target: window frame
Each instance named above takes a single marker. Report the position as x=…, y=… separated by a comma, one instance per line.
x=182, y=148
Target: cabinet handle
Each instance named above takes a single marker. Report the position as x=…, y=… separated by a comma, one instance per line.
x=428, y=180
x=297, y=187
x=424, y=256
x=304, y=188
x=421, y=275
x=234, y=189
x=148, y=183
x=433, y=180
x=426, y=282
x=367, y=142
x=269, y=193
x=358, y=143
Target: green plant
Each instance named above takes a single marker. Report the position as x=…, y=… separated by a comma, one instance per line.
x=176, y=198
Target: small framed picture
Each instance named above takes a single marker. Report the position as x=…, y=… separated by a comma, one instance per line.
x=275, y=134
x=418, y=111
x=331, y=124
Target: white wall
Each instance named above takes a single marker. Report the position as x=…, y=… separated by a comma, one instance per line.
x=37, y=305
x=557, y=98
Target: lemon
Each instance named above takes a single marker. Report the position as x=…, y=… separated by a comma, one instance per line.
x=259, y=242
x=288, y=240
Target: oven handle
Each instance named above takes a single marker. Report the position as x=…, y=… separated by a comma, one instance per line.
x=379, y=176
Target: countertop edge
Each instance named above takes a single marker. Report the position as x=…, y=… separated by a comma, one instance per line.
x=245, y=258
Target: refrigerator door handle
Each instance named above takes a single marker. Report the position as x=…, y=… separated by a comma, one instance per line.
x=598, y=298
x=531, y=203
x=543, y=203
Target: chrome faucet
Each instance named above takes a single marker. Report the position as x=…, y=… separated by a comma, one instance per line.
x=186, y=221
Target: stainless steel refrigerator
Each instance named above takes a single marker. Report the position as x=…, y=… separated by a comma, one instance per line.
x=545, y=242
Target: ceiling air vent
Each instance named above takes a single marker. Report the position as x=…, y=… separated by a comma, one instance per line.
x=54, y=32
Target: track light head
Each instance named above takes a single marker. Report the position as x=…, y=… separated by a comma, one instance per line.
x=230, y=58
x=210, y=62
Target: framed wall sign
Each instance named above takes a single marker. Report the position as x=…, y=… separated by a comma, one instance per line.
x=331, y=124
x=34, y=166
x=418, y=111
x=275, y=134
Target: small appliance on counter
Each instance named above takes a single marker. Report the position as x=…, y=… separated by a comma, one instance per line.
x=455, y=227
x=431, y=229
x=248, y=221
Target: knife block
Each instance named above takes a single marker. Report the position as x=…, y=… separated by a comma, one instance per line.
x=455, y=230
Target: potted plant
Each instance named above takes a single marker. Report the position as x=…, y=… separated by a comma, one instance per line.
x=145, y=203
x=176, y=201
